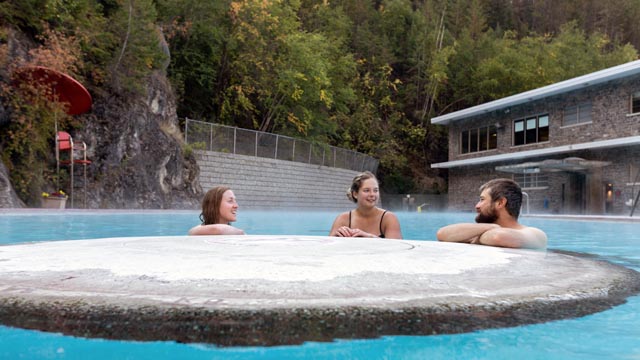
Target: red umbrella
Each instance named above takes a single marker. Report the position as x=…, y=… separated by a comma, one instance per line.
x=63, y=88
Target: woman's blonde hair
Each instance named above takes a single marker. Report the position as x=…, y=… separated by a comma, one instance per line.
x=211, y=205
x=357, y=183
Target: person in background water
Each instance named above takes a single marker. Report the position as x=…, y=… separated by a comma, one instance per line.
x=367, y=220
x=497, y=220
x=219, y=208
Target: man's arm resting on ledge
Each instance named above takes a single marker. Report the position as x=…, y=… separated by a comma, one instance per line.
x=465, y=233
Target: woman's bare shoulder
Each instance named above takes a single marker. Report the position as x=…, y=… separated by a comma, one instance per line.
x=215, y=229
x=388, y=216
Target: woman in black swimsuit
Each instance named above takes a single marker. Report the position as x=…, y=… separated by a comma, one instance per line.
x=367, y=220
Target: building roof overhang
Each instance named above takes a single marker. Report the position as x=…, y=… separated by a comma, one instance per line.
x=574, y=164
x=598, y=77
x=602, y=144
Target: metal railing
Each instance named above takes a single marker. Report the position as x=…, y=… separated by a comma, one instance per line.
x=232, y=140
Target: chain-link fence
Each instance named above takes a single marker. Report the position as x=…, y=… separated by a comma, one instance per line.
x=233, y=140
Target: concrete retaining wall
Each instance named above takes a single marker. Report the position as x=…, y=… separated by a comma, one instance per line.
x=261, y=183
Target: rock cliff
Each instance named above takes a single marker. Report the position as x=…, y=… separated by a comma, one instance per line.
x=136, y=149
x=8, y=197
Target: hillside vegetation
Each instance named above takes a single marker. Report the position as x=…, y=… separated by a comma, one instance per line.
x=364, y=75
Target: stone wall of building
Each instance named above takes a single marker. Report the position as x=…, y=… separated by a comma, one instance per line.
x=611, y=118
x=621, y=175
x=619, y=185
x=606, y=193
x=264, y=183
x=464, y=185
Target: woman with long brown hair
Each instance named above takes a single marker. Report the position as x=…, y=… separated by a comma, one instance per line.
x=219, y=209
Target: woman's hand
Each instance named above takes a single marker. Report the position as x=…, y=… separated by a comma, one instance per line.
x=344, y=231
x=360, y=233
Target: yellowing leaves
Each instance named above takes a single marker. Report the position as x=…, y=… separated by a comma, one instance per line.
x=297, y=94
x=300, y=125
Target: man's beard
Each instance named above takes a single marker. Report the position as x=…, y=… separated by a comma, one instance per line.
x=489, y=218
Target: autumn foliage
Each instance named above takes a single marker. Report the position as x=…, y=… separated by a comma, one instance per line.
x=356, y=74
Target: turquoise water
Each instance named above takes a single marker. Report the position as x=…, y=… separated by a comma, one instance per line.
x=613, y=334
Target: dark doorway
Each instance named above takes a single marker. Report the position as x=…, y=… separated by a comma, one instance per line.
x=574, y=194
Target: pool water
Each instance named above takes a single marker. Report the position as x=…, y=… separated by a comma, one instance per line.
x=614, y=333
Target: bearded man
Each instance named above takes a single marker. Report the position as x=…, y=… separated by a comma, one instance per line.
x=497, y=220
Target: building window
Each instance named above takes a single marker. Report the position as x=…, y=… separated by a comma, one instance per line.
x=635, y=102
x=480, y=139
x=578, y=114
x=531, y=130
x=532, y=181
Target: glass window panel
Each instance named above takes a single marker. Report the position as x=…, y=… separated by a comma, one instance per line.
x=527, y=181
x=518, y=135
x=543, y=134
x=543, y=128
x=484, y=140
x=635, y=102
x=518, y=138
x=543, y=121
x=464, y=142
x=570, y=115
x=493, y=137
x=531, y=136
x=584, y=113
x=531, y=130
x=473, y=140
x=519, y=125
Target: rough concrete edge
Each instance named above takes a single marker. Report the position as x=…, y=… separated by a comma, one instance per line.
x=270, y=327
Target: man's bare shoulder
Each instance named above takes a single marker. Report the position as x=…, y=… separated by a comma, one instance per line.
x=525, y=237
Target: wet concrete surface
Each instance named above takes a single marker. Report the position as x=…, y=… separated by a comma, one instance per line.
x=271, y=290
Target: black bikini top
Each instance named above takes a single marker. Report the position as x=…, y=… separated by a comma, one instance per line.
x=382, y=217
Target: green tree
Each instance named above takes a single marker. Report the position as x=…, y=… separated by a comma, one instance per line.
x=283, y=72
x=202, y=48
x=535, y=61
x=138, y=50
x=363, y=75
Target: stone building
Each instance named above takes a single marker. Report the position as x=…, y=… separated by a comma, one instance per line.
x=573, y=146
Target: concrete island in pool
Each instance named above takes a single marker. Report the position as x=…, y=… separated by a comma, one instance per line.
x=271, y=290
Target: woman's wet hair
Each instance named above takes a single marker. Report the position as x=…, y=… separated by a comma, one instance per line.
x=211, y=205
x=507, y=189
x=357, y=183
